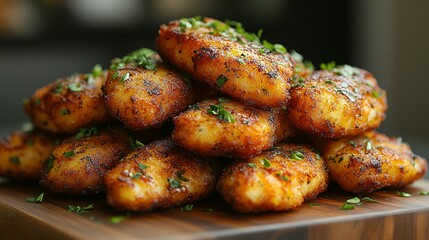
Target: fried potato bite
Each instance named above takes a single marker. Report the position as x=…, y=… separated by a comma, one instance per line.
x=341, y=102
x=142, y=92
x=23, y=154
x=279, y=179
x=370, y=161
x=70, y=103
x=229, y=59
x=77, y=165
x=160, y=175
x=221, y=127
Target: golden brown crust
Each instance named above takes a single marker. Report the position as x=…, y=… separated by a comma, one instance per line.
x=251, y=131
x=279, y=179
x=339, y=103
x=68, y=104
x=23, y=154
x=77, y=166
x=371, y=161
x=148, y=97
x=160, y=175
x=246, y=71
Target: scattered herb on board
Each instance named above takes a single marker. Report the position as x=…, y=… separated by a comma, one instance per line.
x=314, y=204
x=79, y=209
x=187, y=208
x=403, y=194
x=424, y=193
x=368, y=199
x=37, y=199
x=120, y=218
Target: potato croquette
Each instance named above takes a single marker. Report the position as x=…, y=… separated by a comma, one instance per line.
x=340, y=102
x=229, y=59
x=222, y=127
x=370, y=161
x=77, y=165
x=279, y=179
x=160, y=175
x=23, y=154
x=142, y=92
x=69, y=104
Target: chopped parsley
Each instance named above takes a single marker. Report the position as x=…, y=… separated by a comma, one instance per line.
x=187, y=208
x=79, y=209
x=37, y=199
x=15, y=160
x=252, y=165
x=195, y=106
x=144, y=57
x=354, y=200
x=314, y=204
x=135, y=143
x=328, y=66
x=232, y=30
x=353, y=143
x=97, y=71
x=125, y=77
x=49, y=163
x=424, y=193
x=58, y=89
x=347, y=206
x=265, y=162
x=118, y=219
x=69, y=154
x=403, y=194
x=65, y=111
x=220, y=81
x=142, y=166
x=296, y=155
x=376, y=94
x=180, y=176
x=174, y=183
x=346, y=71
x=368, y=199
x=297, y=82
x=86, y=132
x=75, y=87
x=222, y=114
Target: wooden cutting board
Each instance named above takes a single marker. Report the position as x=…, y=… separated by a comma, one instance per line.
x=393, y=217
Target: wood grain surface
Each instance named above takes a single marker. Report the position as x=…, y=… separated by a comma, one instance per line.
x=393, y=217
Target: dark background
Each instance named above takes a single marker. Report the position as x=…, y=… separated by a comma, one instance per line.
x=41, y=41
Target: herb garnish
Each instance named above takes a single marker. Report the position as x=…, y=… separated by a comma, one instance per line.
x=187, y=208
x=86, y=132
x=403, y=194
x=97, y=71
x=180, y=176
x=220, y=81
x=144, y=57
x=37, y=199
x=328, y=66
x=65, y=111
x=265, y=162
x=49, y=163
x=135, y=143
x=296, y=155
x=69, y=154
x=252, y=165
x=79, y=209
x=75, y=87
x=424, y=193
x=368, y=199
x=15, y=160
x=174, y=183
x=222, y=114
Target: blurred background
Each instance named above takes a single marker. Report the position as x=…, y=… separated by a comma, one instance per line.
x=43, y=40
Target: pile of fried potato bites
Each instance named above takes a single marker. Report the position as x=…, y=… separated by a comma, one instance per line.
x=214, y=109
